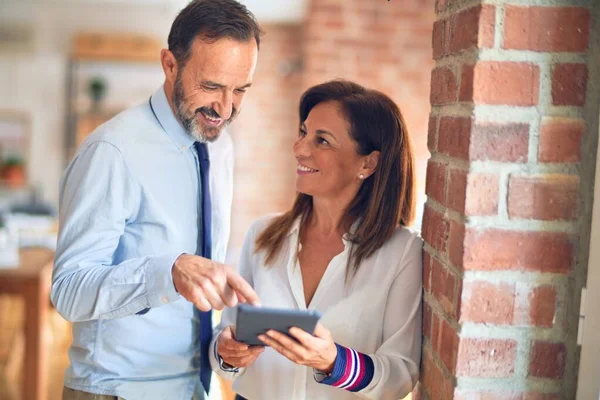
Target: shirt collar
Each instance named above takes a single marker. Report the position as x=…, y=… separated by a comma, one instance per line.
x=295, y=229
x=168, y=122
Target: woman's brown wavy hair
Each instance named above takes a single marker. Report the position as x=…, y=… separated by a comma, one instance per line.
x=386, y=198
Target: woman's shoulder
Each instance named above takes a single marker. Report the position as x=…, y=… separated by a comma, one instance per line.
x=400, y=254
x=405, y=235
x=404, y=240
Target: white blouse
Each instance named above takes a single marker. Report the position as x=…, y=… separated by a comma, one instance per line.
x=377, y=312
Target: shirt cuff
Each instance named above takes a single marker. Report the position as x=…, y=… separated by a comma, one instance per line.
x=352, y=370
x=222, y=364
x=160, y=288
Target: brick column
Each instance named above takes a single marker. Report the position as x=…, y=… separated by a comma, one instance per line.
x=513, y=137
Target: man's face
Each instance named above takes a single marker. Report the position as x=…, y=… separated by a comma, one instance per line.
x=209, y=90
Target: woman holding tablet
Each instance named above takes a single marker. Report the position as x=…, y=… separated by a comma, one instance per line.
x=344, y=250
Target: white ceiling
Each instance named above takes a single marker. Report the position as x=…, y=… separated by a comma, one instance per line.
x=277, y=10
x=272, y=11
x=264, y=10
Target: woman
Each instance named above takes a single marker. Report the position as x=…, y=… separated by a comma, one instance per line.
x=342, y=249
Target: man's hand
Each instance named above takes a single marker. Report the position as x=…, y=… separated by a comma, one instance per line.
x=209, y=284
x=234, y=353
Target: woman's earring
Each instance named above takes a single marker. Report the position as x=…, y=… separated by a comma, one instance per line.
x=361, y=176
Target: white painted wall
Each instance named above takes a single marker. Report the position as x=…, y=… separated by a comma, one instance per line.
x=33, y=81
x=588, y=384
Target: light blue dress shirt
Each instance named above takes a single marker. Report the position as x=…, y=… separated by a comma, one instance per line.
x=129, y=206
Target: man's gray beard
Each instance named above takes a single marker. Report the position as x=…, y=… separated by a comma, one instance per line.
x=190, y=122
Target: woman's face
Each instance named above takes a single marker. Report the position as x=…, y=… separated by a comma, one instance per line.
x=328, y=163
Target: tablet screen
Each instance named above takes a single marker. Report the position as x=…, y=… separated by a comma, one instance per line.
x=253, y=321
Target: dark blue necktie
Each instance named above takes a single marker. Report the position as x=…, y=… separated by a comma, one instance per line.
x=205, y=317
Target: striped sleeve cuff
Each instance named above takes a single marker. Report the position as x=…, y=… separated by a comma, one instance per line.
x=352, y=370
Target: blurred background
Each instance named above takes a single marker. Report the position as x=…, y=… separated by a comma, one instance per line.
x=66, y=66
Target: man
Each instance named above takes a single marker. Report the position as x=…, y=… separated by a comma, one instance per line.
x=138, y=204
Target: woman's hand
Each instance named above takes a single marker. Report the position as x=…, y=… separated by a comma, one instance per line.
x=318, y=351
x=234, y=353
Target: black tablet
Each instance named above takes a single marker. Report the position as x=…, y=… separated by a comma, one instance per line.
x=253, y=321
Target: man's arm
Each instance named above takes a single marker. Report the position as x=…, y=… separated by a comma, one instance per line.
x=98, y=195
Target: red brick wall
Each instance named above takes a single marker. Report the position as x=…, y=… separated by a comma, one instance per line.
x=512, y=132
x=381, y=45
x=264, y=131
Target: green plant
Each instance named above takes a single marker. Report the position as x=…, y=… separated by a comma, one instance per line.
x=97, y=88
x=13, y=161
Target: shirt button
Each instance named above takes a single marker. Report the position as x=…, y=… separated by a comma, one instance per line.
x=164, y=299
x=182, y=148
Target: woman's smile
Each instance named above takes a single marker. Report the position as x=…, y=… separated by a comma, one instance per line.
x=304, y=170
